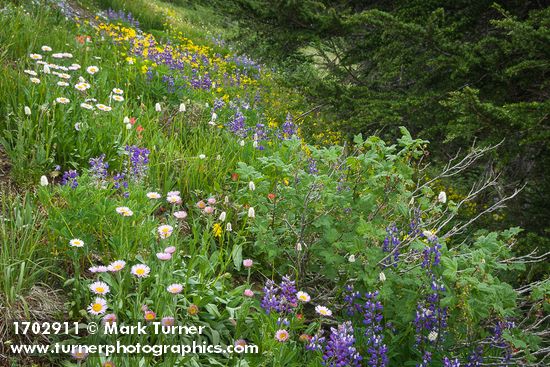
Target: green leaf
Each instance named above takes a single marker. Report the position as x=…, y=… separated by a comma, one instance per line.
x=237, y=255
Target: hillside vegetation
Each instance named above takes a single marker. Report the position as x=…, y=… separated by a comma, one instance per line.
x=154, y=172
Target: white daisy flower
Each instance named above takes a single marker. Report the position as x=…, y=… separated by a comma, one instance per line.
x=92, y=70
x=76, y=242
x=98, y=307
x=141, y=270
x=62, y=100
x=99, y=288
x=175, y=288
x=303, y=297
x=116, y=266
x=82, y=86
x=323, y=311
x=103, y=107
x=153, y=195
x=124, y=211
x=165, y=231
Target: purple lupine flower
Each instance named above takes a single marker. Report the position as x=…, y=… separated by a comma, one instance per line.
x=98, y=168
x=270, y=301
x=497, y=341
x=372, y=318
x=476, y=358
x=316, y=342
x=391, y=245
x=283, y=321
x=170, y=83
x=138, y=162
x=122, y=16
x=289, y=128
x=288, y=294
x=260, y=132
x=349, y=299
x=431, y=319
x=218, y=104
x=431, y=255
x=312, y=167
x=415, y=223
x=70, y=178
x=237, y=125
x=426, y=359
x=451, y=362
x=279, y=298
x=120, y=182
x=340, y=349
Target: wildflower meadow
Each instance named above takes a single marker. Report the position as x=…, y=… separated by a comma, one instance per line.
x=162, y=190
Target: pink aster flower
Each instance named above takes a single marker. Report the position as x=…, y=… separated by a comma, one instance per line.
x=164, y=256
x=182, y=214
x=109, y=318
x=149, y=315
x=175, y=288
x=168, y=321
x=282, y=335
x=248, y=293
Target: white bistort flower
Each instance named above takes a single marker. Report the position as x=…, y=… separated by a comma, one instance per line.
x=43, y=181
